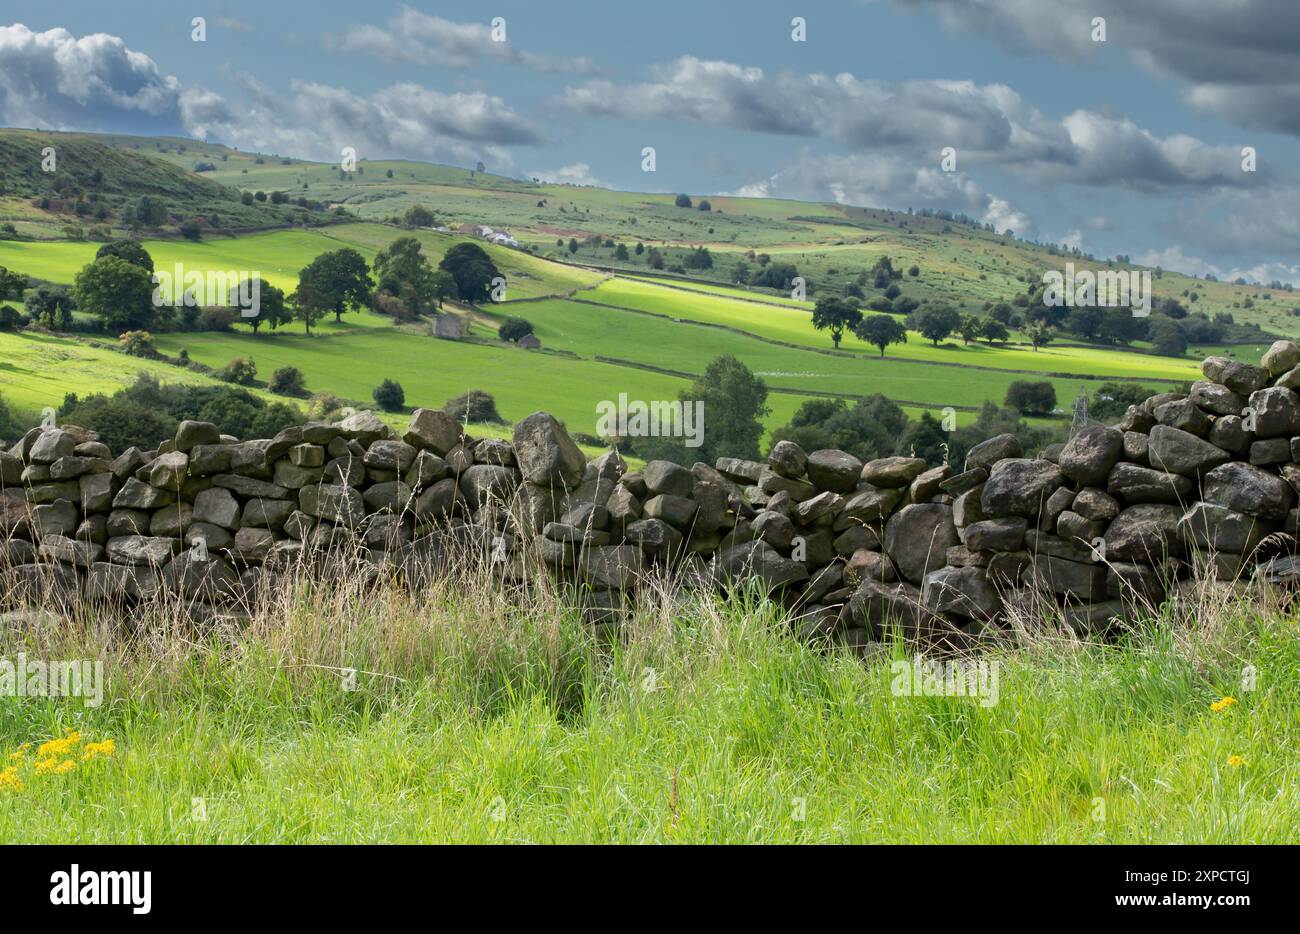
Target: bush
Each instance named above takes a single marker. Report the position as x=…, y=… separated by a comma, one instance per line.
x=1031, y=398
x=512, y=329
x=474, y=406
x=137, y=344
x=288, y=381
x=390, y=396
x=683, y=201
x=190, y=229
x=11, y=319
x=241, y=371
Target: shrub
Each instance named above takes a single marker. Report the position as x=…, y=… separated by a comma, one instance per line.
x=288, y=381
x=11, y=319
x=514, y=328
x=137, y=344
x=474, y=406
x=683, y=201
x=389, y=396
x=241, y=371
x=190, y=229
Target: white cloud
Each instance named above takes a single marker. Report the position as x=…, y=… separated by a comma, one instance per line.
x=425, y=39
x=985, y=124
x=316, y=121
x=579, y=173
x=886, y=182
x=1237, y=56
x=54, y=80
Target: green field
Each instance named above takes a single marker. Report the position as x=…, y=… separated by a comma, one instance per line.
x=481, y=717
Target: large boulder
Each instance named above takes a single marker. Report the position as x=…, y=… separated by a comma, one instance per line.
x=433, y=430
x=483, y=483
x=999, y=447
x=788, y=459
x=1277, y=412
x=1088, y=457
x=962, y=591
x=837, y=471
x=1208, y=526
x=1147, y=533
x=1241, y=378
x=1134, y=484
x=759, y=561
x=892, y=472
x=1181, y=452
x=1020, y=487
x=665, y=477
x=1280, y=357
x=918, y=536
x=1249, y=490
x=333, y=503
x=545, y=453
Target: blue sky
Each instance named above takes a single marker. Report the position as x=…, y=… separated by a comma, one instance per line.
x=1132, y=145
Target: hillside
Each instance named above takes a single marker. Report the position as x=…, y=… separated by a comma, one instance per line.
x=100, y=181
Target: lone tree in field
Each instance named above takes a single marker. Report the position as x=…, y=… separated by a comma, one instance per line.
x=271, y=309
x=880, y=331
x=837, y=316
x=1031, y=398
x=116, y=291
x=683, y=201
x=936, y=323
x=390, y=396
x=129, y=250
x=473, y=270
x=342, y=276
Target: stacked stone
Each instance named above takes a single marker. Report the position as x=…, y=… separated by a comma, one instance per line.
x=1204, y=482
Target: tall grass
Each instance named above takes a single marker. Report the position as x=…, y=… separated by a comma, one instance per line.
x=484, y=712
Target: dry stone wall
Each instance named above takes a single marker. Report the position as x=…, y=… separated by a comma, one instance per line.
x=1111, y=520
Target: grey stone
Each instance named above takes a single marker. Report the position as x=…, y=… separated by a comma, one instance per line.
x=391, y=455
x=1007, y=534
x=987, y=453
x=50, y=445
x=1248, y=489
x=1147, y=533
x=788, y=459
x=1241, y=378
x=171, y=521
x=675, y=510
x=962, y=591
x=1215, y=399
x=892, y=472
x=917, y=536
x=760, y=562
x=1088, y=457
x=1277, y=412
x=168, y=471
x=1181, y=452
x=433, y=430
x=1280, y=357
x=869, y=507
x=1134, y=484
x=666, y=477
x=1185, y=415
x=485, y=483
x=546, y=454
x=142, y=549
x=332, y=503
x=1209, y=526
x=1020, y=487
x=192, y=433
x=217, y=506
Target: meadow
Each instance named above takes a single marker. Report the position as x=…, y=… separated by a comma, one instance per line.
x=481, y=716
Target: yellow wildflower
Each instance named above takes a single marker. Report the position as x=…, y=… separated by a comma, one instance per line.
x=58, y=747
x=90, y=750
x=1223, y=704
x=17, y=754
x=1235, y=761
x=67, y=765
x=9, y=779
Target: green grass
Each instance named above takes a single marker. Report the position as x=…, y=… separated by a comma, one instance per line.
x=475, y=722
